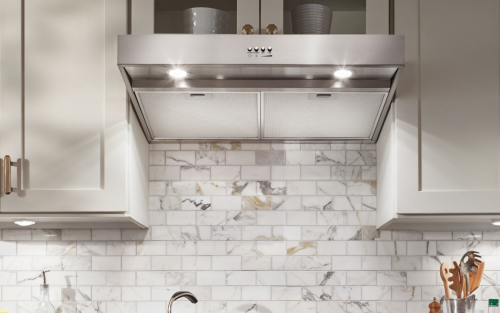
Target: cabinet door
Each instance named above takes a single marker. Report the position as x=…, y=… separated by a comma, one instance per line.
x=63, y=105
x=447, y=110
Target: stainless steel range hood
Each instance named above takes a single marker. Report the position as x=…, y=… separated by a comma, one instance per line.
x=278, y=88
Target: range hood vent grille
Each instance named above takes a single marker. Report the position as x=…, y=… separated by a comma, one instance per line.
x=201, y=115
x=294, y=115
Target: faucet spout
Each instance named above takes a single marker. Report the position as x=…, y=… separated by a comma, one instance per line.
x=178, y=295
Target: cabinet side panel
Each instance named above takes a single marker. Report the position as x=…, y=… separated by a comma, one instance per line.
x=377, y=17
x=247, y=13
x=143, y=17
x=460, y=102
x=138, y=172
x=271, y=12
x=386, y=171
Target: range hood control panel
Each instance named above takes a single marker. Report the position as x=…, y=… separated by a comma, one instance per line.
x=263, y=49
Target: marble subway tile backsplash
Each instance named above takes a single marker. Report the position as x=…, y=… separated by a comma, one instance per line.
x=248, y=228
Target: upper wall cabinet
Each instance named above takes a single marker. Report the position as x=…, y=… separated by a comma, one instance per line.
x=348, y=16
x=439, y=150
x=76, y=147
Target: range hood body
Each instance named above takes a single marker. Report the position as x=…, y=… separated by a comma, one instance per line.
x=286, y=94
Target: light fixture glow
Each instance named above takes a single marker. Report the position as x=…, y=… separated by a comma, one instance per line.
x=24, y=223
x=177, y=73
x=343, y=73
x=495, y=222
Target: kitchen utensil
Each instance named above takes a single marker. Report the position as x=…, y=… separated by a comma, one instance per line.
x=444, y=270
x=468, y=266
x=205, y=21
x=465, y=305
x=204, y=30
x=311, y=19
x=457, y=280
x=475, y=278
x=208, y=12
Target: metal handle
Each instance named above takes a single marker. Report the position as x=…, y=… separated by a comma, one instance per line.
x=7, y=175
x=323, y=95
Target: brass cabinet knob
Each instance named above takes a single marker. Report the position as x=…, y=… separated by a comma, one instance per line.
x=247, y=29
x=271, y=29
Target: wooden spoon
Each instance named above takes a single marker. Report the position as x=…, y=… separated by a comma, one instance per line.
x=445, y=275
x=475, y=278
x=457, y=280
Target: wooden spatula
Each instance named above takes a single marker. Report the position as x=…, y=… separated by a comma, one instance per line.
x=445, y=275
x=457, y=280
x=475, y=278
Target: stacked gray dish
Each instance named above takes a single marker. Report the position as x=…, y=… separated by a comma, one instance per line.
x=311, y=19
x=205, y=21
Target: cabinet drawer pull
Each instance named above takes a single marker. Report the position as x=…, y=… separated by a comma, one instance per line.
x=7, y=175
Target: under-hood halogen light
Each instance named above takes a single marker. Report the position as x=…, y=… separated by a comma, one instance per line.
x=342, y=73
x=177, y=73
x=24, y=222
x=495, y=222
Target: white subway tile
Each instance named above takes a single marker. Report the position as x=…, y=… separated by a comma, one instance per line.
x=31, y=248
x=256, y=233
x=106, y=293
x=256, y=203
x=256, y=263
x=164, y=172
x=136, y=263
x=76, y=234
x=256, y=146
x=225, y=172
x=196, y=263
x=271, y=218
x=16, y=234
x=331, y=188
x=286, y=293
x=301, y=278
x=211, y=278
x=179, y=157
x=271, y=278
x=120, y=278
x=285, y=146
x=195, y=173
x=255, y=172
x=256, y=293
x=286, y=203
x=346, y=263
x=151, y=248
x=227, y=203
x=240, y=157
x=285, y=172
x=196, y=203
x=166, y=263
x=330, y=157
x=300, y=158
x=228, y=293
x=297, y=188
x=195, y=146
x=106, y=234
x=210, y=157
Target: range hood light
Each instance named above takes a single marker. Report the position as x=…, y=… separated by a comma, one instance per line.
x=177, y=73
x=24, y=222
x=343, y=73
x=495, y=222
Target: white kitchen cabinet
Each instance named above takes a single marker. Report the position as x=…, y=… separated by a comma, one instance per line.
x=80, y=155
x=439, y=152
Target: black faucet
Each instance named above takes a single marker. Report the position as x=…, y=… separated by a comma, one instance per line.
x=181, y=294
